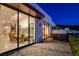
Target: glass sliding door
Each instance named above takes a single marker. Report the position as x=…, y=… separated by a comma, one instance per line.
x=32, y=29
x=43, y=30
x=23, y=29
x=49, y=30
x=46, y=31
x=8, y=30
x=12, y=22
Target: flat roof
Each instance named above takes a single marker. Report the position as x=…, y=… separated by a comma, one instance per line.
x=34, y=9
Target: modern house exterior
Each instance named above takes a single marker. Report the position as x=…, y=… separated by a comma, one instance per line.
x=22, y=24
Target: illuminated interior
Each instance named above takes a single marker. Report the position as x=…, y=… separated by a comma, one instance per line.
x=8, y=29
x=32, y=29
x=23, y=29
x=45, y=30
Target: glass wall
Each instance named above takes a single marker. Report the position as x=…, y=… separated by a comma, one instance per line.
x=8, y=30
x=23, y=29
x=32, y=29
x=45, y=30
x=11, y=24
x=49, y=31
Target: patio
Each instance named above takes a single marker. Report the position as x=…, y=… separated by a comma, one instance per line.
x=48, y=48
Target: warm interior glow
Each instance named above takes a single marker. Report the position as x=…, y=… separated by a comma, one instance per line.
x=8, y=29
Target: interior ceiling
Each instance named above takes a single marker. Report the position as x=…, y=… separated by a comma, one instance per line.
x=6, y=15
x=9, y=16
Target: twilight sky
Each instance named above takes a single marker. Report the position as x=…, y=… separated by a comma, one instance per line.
x=62, y=13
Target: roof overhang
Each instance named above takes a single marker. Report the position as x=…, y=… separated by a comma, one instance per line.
x=24, y=8
x=31, y=7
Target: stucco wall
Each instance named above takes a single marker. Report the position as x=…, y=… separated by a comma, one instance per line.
x=39, y=30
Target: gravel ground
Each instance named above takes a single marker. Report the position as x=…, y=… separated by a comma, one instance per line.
x=48, y=48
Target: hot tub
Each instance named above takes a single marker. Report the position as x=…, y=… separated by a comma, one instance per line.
x=60, y=35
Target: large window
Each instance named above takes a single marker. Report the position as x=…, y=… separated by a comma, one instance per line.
x=8, y=30
x=45, y=30
x=23, y=29
x=49, y=31
x=32, y=29
x=16, y=29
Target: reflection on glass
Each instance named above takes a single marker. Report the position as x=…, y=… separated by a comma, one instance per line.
x=23, y=29
x=43, y=29
x=49, y=30
x=7, y=29
x=46, y=30
x=32, y=29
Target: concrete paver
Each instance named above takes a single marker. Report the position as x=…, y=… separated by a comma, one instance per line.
x=47, y=48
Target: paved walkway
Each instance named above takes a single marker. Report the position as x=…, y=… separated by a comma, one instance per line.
x=47, y=48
